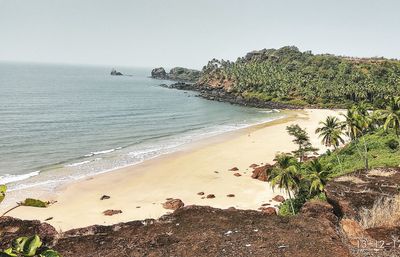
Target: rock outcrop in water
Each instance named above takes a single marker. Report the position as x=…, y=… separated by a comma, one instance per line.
x=159, y=73
x=176, y=74
x=115, y=73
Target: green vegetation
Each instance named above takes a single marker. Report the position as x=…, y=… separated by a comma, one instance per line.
x=287, y=75
x=304, y=180
x=374, y=142
x=382, y=152
x=26, y=246
x=34, y=203
x=3, y=189
x=301, y=139
x=285, y=175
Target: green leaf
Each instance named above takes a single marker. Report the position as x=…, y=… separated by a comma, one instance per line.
x=3, y=189
x=49, y=253
x=31, y=245
x=34, y=203
x=8, y=253
x=18, y=244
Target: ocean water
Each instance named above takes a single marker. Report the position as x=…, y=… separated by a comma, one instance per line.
x=60, y=122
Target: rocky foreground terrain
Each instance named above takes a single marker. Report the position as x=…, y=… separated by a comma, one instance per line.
x=321, y=229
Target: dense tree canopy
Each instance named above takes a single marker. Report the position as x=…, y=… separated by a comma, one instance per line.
x=288, y=75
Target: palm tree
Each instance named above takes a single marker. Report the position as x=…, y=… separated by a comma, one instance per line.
x=364, y=121
x=331, y=133
x=351, y=123
x=317, y=175
x=285, y=175
x=358, y=122
x=391, y=115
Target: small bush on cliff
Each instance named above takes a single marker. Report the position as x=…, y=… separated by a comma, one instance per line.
x=27, y=247
x=297, y=203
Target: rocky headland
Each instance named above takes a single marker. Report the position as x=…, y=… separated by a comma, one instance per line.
x=222, y=94
x=176, y=74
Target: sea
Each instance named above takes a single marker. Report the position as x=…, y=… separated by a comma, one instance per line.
x=60, y=123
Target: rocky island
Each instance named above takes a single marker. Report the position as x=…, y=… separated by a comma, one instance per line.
x=115, y=73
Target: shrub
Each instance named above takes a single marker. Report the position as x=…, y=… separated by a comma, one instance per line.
x=286, y=210
x=35, y=203
x=392, y=144
x=27, y=247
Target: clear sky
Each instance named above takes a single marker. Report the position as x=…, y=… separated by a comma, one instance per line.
x=189, y=33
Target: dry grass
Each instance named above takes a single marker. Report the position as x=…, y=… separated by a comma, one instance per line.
x=353, y=179
x=381, y=172
x=384, y=213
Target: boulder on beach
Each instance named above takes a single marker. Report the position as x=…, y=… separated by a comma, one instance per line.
x=200, y=193
x=230, y=195
x=279, y=198
x=253, y=166
x=262, y=172
x=237, y=174
x=210, y=196
x=268, y=210
x=105, y=197
x=111, y=212
x=173, y=204
x=234, y=169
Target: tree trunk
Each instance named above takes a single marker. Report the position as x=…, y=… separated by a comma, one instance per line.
x=366, y=154
x=10, y=210
x=291, y=201
x=337, y=157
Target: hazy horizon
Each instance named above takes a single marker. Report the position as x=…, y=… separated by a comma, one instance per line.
x=188, y=33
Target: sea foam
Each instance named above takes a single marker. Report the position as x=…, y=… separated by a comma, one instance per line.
x=8, y=178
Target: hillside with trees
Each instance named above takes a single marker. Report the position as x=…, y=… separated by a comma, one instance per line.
x=289, y=76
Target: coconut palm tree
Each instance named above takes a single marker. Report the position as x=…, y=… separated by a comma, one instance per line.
x=331, y=133
x=317, y=176
x=391, y=115
x=364, y=121
x=352, y=124
x=285, y=175
x=358, y=122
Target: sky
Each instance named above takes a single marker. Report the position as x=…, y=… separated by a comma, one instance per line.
x=188, y=33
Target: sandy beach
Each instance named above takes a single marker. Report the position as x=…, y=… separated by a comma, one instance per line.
x=140, y=190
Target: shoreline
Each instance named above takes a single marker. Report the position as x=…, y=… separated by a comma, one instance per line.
x=139, y=190
x=63, y=181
